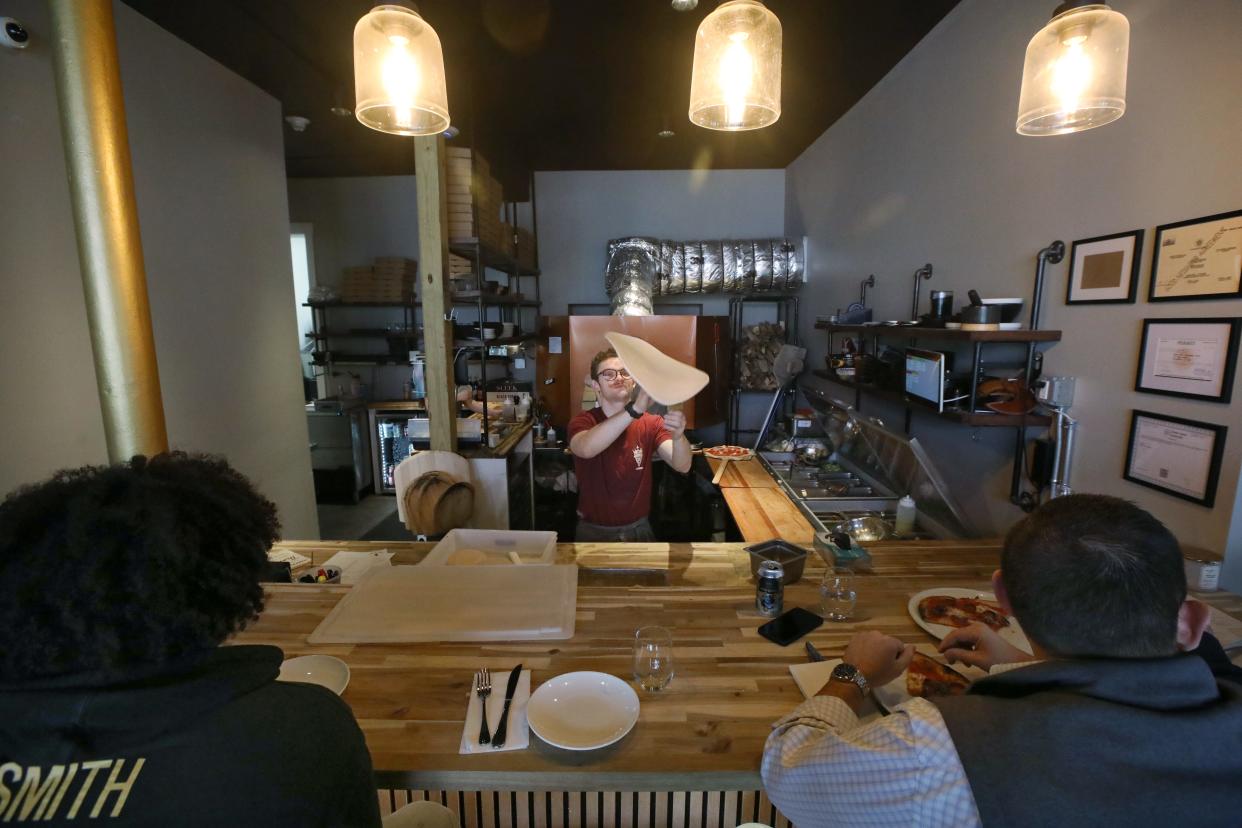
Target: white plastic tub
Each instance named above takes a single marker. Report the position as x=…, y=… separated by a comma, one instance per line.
x=492, y=547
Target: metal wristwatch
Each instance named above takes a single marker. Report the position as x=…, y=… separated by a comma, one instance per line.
x=850, y=673
x=629, y=409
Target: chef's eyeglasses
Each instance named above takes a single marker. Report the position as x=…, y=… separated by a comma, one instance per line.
x=610, y=374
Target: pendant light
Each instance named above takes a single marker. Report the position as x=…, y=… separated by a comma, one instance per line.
x=736, y=81
x=399, y=73
x=1075, y=72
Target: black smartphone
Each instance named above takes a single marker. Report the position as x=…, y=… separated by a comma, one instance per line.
x=789, y=627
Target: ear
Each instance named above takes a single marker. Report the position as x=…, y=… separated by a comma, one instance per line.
x=1192, y=620
x=1002, y=594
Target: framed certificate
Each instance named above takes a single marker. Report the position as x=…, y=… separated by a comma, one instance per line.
x=1193, y=358
x=1198, y=259
x=1105, y=270
x=1178, y=457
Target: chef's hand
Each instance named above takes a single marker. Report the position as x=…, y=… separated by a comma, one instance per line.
x=675, y=422
x=880, y=657
x=980, y=646
x=642, y=401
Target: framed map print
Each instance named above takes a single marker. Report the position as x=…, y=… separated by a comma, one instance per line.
x=1198, y=259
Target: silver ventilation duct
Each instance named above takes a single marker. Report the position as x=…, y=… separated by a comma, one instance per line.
x=641, y=268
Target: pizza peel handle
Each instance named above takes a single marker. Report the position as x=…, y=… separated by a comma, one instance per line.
x=720, y=470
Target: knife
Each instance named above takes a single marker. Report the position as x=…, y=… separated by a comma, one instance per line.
x=815, y=655
x=498, y=739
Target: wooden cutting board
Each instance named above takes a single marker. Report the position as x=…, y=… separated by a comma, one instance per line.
x=743, y=474
x=763, y=514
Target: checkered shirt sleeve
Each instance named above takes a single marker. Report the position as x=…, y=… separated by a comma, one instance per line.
x=822, y=766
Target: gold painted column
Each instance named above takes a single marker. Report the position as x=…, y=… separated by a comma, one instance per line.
x=433, y=289
x=101, y=185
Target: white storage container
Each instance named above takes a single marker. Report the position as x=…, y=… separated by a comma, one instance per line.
x=492, y=546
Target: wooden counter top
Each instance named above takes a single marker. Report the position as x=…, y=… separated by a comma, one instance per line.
x=760, y=508
x=704, y=732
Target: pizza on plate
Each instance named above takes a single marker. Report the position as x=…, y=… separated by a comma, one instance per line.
x=954, y=611
x=730, y=452
x=927, y=677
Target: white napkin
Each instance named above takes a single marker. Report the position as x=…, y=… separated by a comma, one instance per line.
x=517, y=734
x=354, y=565
x=811, y=676
x=279, y=554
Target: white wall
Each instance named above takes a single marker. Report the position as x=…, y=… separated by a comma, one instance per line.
x=579, y=212
x=356, y=219
x=928, y=167
x=208, y=165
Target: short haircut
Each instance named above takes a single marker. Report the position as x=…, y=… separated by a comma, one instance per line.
x=611, y=353
x=131, y=565
x=1095, y=576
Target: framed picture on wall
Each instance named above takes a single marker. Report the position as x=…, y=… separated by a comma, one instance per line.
x=1198, y=259
x=1176, y=456
x=1105, y=269
x=1194, y=358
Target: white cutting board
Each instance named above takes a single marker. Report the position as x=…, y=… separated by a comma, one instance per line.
x=452, y=603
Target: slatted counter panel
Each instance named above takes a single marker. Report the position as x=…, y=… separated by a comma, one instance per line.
x=693, y=757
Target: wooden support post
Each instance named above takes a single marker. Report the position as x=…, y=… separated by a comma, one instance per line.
x=433, y=289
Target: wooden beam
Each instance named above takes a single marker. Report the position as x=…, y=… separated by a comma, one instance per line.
x=433, y=289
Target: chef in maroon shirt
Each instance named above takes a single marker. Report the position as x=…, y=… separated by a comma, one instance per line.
x=613, y=447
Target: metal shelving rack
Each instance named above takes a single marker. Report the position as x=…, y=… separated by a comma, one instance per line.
x=482, y=257
x=785, y=306
x=1028, y=340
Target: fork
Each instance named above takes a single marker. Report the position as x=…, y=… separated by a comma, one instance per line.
x=483, y=689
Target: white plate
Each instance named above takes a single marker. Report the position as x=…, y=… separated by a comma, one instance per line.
x=1010, y=326
x=582, y=711
x=326, y=671
x=1013, y=633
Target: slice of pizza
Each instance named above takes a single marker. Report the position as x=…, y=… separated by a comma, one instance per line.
x=927, y=677
x=953, y=611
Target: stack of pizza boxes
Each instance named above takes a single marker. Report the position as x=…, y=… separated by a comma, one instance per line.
x=474, y=199
x=390, y=279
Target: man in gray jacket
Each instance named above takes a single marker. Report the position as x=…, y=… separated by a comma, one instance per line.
x=1109, y=722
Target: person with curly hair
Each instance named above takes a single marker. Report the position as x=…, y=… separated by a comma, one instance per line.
x=118, y=584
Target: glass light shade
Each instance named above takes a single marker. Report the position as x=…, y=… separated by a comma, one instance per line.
x=736, y=81
x=1075, y=72
x=399, y=73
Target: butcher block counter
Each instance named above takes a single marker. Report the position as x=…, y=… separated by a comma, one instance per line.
x=705, y=732
x=759, y=506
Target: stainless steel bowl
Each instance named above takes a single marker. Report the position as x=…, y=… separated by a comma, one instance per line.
x=865, y=529
x=812, y=454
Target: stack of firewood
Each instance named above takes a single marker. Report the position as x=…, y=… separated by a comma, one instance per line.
x=756, y=353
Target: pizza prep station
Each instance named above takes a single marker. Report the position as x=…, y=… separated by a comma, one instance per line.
x=851, y=479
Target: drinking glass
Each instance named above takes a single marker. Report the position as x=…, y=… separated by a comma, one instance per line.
x=837, y=596
x=653, y=658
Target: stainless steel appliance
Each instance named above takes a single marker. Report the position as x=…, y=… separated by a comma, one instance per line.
x=340, y=450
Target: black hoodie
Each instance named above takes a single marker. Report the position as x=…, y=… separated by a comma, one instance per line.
x=211, y=740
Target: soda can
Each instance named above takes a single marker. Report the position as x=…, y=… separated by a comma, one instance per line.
x=770, y=590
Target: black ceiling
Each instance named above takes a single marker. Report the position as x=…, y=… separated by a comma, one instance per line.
x=551, y=84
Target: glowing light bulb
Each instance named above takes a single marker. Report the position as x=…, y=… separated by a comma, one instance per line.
x=736, y=76
x=401, y=80
x=1071, y=76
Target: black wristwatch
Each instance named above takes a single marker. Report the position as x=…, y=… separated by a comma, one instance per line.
x=629, y=409
x=850, y=673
